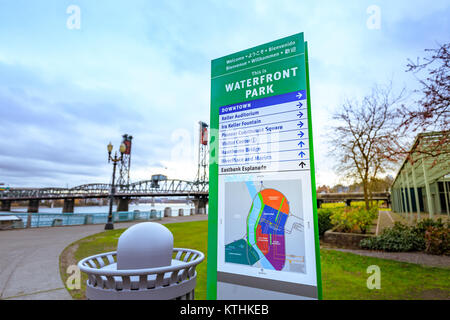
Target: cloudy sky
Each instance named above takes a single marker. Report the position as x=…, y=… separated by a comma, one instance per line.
x=143, y=68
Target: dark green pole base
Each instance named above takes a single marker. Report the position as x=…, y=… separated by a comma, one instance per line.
x=109, y=226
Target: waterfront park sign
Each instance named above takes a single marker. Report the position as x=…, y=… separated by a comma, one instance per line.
x=262, y=233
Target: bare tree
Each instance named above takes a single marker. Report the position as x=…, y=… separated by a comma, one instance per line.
x=363, y=136
x=431, y=112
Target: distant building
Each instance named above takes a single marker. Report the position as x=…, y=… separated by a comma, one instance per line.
x=323, y=189
x=341, y=189
x=422, y=184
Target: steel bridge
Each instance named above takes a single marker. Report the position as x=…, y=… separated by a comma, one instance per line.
x=198, y=191
x=147, y=188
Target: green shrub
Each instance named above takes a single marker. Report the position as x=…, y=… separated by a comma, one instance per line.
x=398, y=238
x=422, y=226
x=324, y=220
x=340, y=219
x=353, y=219
x=427, y=235
x=437, y=240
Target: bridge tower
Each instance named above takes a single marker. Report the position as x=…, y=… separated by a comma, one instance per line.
x=124, y=172
x=124, y=165
x=203, y=154
x=202, y=171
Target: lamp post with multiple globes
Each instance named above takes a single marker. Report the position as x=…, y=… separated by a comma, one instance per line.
x=109, y=225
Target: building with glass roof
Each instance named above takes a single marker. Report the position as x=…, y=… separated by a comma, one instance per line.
x=422, y=184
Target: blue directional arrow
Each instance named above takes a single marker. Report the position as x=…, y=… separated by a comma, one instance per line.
x=300, y=134
x=300, y=114
x=300, y=124
x=300, y=105
x=301, y=154
x=301, y=144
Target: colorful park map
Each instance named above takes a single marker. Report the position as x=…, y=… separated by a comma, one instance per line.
x=265, y=241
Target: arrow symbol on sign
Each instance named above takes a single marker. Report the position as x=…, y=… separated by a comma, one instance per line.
x=300, y=114
x=300, y=134
x=299, y=105
x=302, y=164
x=300, y=124
x=301, y=154
x=299, y=95
x=301, y=144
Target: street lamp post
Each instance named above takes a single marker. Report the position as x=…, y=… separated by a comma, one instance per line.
x=109, y=225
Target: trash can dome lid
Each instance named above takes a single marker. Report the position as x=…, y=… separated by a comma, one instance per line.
x=145, y=245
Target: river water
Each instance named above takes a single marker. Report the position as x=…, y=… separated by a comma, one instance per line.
x=104, y=209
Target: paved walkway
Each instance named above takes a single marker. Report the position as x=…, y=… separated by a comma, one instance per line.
x=386, y=219
x=29, y=263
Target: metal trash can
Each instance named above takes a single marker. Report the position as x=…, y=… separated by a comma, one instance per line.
x=18, y=224
x=144, y=267
x=88, y=219
x=57, y=222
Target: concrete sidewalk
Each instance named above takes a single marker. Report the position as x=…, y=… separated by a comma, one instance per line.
x=386, y=219
x=29, y=258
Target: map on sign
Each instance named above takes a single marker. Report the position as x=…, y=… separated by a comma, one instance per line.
x=264, y=227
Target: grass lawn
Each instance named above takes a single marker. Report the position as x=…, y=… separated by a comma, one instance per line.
x=343, y=274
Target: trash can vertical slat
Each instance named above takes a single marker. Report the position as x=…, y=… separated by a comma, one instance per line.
x=174, y=277
x=110, y=258
x=126, y=282
x=91, y=279
x=91, y=263
x=100, y=262
x=110, y=282
x=184, y=274
x=191, y=271
x=159, y=280
x=186, y=257
x=179, y=253
x=99, y=281
x=143, y=282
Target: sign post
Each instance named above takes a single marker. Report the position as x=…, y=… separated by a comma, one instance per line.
x=262, y=231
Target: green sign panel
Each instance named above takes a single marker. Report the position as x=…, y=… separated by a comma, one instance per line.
x=263, y=233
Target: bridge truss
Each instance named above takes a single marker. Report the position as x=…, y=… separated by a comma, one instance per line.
x=146, y=188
